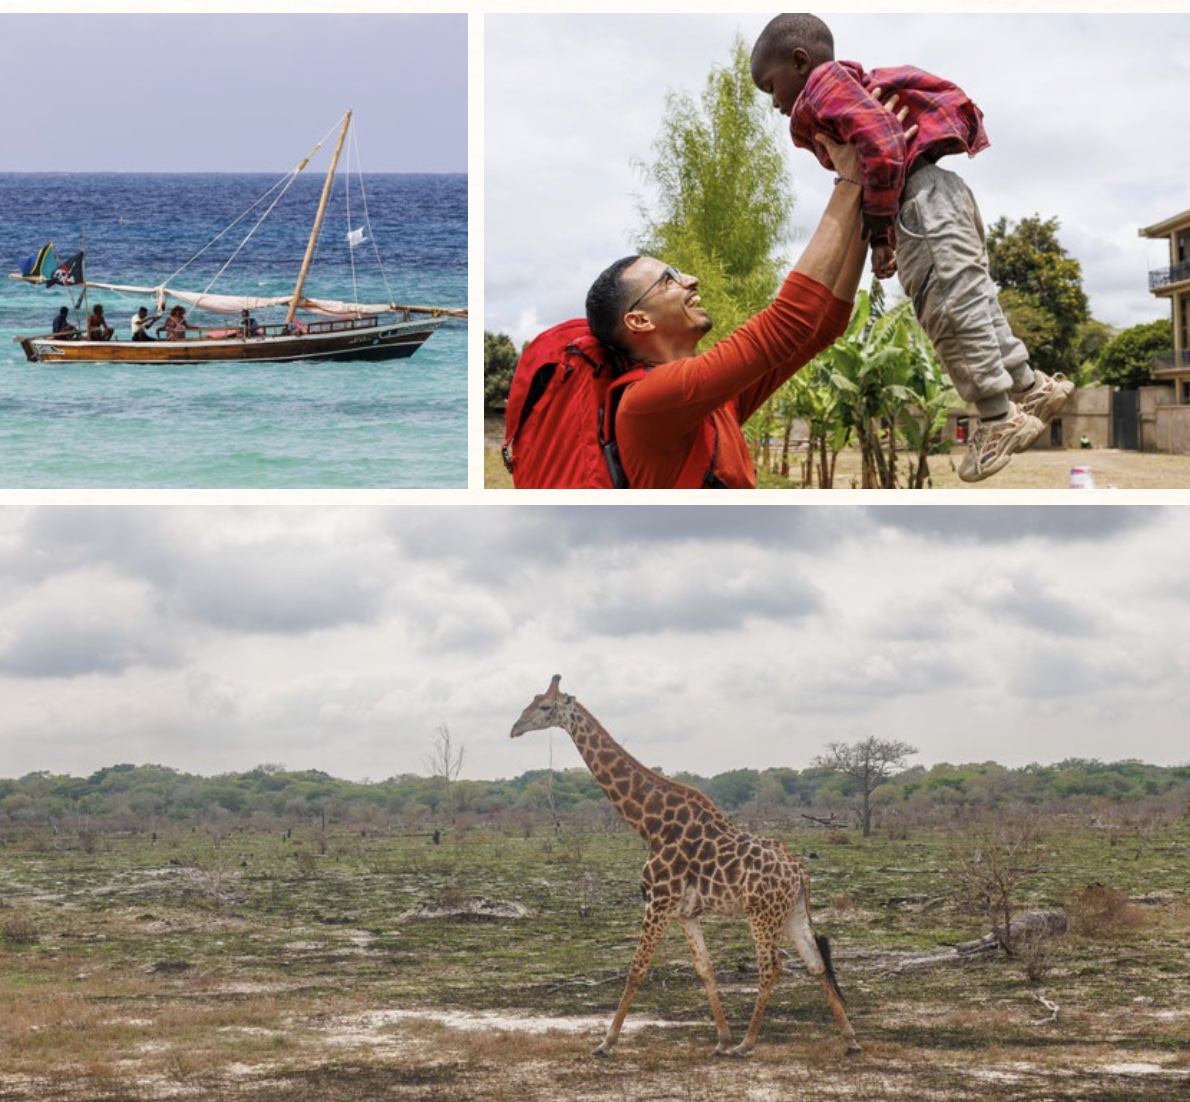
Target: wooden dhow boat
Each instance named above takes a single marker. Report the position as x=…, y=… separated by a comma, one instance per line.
x=312, y=329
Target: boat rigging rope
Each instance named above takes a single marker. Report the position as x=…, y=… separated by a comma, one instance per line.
x=284, y=184
x=367, y=226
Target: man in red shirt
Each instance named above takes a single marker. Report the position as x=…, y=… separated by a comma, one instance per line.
x=681, y=425
x=927, y=214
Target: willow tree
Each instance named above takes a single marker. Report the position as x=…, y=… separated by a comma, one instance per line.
x=724, y=195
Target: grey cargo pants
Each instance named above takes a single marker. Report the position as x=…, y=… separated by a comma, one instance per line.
x=942, y=262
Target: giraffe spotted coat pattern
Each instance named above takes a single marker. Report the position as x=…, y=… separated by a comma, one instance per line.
x=699, y=863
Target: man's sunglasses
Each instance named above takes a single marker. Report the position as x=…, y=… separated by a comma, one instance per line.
x=670, y=275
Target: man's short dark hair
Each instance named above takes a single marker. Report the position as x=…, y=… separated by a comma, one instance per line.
x=605, y=302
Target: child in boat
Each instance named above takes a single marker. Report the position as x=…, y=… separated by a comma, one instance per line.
x=923, y=221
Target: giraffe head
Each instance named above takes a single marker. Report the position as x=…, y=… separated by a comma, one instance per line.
x=549, y=709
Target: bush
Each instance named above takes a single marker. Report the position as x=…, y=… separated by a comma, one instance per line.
x=19, y=930
x=1098, y=911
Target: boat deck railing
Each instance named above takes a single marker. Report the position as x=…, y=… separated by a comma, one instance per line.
x=257, y=330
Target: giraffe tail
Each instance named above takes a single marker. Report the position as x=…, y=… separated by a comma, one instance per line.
x=824, y=947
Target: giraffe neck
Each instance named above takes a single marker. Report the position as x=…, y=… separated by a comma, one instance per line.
x=635, y=790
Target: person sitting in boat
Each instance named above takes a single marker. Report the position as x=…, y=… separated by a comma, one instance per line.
x=295, y=328
x=176, y=325
x=63, y=327
x=140, y=325
x=249, y=326
x=97, y=326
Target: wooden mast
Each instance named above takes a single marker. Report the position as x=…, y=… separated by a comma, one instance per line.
x=326, y=194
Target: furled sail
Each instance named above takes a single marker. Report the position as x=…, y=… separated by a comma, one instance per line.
x=235, y=304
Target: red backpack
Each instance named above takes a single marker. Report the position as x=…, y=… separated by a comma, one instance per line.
x=559, y=425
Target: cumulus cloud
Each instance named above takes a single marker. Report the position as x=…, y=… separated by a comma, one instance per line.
x=87, y=622
x=339, y=638
x=551, y=230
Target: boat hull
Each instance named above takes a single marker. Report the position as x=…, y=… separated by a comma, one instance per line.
x=385, y=341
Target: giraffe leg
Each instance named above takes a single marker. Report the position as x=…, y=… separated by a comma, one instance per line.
x=656, y=923
x=706, y=972
x=801, y=933
x=768, y=960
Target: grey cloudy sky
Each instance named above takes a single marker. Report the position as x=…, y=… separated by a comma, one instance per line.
x=213, y=639
x=1087, y=114
x=231, y=93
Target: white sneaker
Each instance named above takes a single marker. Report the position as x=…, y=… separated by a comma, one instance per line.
x=994, y=443
x=1045, y=397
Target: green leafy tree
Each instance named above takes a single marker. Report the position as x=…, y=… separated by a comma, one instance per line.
x=499, y=364
x=1093, y=337
x=892, y=393
x=1047, y=304
x=809, y=400
x=724, y=194
x=1127, y=359
x=933, y=397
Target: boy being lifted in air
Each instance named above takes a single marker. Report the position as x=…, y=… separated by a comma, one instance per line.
x=923, y=221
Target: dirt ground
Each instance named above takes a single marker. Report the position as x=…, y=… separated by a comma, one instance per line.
x=1034, y=470
x=386, y=970
x=1051, y=470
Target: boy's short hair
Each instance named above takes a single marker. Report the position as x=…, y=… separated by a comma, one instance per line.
x=786, y=32
x=605, y=302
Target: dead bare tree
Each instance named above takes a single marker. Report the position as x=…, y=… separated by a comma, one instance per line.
x=445, y=761
x=987, y=870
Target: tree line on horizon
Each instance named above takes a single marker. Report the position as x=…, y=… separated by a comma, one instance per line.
x=139, y=797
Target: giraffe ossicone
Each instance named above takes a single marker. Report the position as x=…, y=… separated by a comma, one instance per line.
x=699, y=863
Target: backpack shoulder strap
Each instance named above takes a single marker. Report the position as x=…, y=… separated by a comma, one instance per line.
x=697, y=472
x=607, y=426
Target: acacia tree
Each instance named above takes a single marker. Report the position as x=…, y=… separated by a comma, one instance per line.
x=724, y=193
x=866, y=764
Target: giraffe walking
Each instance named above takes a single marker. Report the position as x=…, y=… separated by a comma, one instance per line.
x=699, y=863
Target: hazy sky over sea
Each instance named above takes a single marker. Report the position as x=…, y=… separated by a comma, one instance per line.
x=212, y=639
x=231, y=92
x=1086, y=113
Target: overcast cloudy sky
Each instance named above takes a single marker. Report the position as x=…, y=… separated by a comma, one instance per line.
x=1087, y=114
x=212, y=639
x=205, y=92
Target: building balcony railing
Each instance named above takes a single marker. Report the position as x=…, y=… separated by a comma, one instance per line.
x=1171, y=361
x=1165, y=277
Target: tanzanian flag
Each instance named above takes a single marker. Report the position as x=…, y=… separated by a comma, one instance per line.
x=37, y=268
x=68, y=273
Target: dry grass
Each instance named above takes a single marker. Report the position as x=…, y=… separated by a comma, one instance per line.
x=305, y=986
x=1035, y=470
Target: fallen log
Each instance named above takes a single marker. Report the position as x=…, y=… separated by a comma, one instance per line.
x=1029, y=925
x=1032, y=924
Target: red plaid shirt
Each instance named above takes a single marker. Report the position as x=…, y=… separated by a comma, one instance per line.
x=836, y=101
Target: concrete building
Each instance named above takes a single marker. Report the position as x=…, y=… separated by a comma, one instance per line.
x=1171, y=416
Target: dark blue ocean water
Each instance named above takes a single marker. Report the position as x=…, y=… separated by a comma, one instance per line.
x=400, y=424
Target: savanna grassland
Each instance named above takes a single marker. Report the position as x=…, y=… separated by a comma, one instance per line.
x=349, y=966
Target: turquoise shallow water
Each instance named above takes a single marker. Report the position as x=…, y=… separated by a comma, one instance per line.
x=400, y=424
